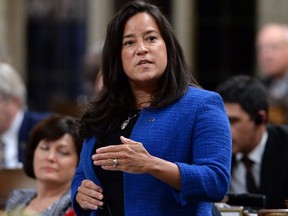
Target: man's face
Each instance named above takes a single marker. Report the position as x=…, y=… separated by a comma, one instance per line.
x=7, y=107
x=272, y=51
x=243, y=128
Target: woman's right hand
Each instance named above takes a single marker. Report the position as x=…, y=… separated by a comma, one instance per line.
x=89, y=195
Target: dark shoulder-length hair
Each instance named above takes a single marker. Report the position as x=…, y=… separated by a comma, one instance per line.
x=50, y=129
x=116, y=95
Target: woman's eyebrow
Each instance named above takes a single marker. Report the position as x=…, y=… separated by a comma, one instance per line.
x=145, y=33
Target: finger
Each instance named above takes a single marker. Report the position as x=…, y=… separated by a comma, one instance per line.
x=87, y=202
x=111, y=168
x=110, y=148
x=114, y=166
x=90, y=193
x=108, y=155
x=125, y=140
x=91, y=185
x=104, y=162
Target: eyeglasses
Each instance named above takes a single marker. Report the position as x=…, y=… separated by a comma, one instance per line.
x=271, y=47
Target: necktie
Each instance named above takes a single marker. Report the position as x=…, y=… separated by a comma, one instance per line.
x=250, y=182
x=2, y=153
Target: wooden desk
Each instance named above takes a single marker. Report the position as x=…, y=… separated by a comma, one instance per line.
x=273, y=212
x=11, y=179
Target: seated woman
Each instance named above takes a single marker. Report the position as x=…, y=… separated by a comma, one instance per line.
x=52, y=154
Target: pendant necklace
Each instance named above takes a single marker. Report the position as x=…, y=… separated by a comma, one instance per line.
x=126, y=122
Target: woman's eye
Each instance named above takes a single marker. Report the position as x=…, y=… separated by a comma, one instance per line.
x=128, y=43
x=43, y=146
x=151, y=38
x=64, y=153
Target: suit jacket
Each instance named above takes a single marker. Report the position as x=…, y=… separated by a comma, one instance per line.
x=29, y=121
x=193, y=133
x=274, y=173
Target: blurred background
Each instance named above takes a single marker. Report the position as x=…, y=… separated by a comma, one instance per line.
x=47, y=40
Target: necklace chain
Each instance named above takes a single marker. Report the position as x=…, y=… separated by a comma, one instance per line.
x=126, y=122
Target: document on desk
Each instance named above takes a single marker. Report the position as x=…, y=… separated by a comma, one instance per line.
x=231, y=214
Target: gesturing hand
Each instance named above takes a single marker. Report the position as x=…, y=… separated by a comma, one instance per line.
x=130, y=156
x=89, y=195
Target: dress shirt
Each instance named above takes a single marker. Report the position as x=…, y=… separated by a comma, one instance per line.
x=278, y=91
x=238, y=179
x=2, y=153
x=10, y=138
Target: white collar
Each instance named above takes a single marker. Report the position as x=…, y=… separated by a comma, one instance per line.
x=13, y=131
x=256, y=154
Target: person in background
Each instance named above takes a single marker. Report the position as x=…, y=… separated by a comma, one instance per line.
x=155, y=143
x=272, y=54
x=92, y=78
x=15, y=120
x=52, y=154
x=259, y=150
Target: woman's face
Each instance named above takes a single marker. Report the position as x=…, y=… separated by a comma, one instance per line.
x=144, y=53
x=55, y=161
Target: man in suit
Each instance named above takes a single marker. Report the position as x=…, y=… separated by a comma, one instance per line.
x=260, y=151
x=15, y=121
x=272, y=58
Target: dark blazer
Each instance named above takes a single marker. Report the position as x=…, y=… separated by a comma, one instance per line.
x=29, y=121
x=274, y=171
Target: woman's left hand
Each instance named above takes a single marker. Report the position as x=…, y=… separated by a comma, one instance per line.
x=130, y=156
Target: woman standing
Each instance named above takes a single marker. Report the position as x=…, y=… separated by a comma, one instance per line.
x=156, y=144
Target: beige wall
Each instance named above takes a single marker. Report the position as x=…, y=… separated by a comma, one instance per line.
x=272, y=11
x=2, y=29
x=99, y=14
x=183, y=16
x=13, y=32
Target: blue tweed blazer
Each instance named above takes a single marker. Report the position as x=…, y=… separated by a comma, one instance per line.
x=194, y=133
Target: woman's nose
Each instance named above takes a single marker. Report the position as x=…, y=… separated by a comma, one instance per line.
x=142, y=48
x=51, y=155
